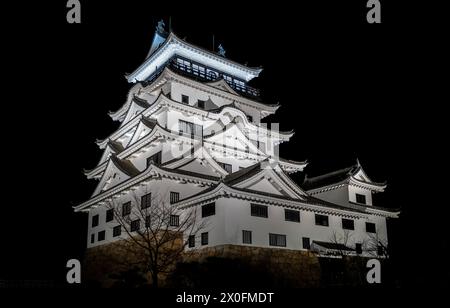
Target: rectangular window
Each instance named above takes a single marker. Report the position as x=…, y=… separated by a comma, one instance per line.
x=348, y=224
x=101, y=236
x=370, y=227
x=92, y=238
x=292, y=215
x=117, y=230
x=184, y=99
x=277, y=240
x=246, y=237
x=146, y=201
x=306, y=243
x=360, y=199
x=174, y=220
x=126, y=208
x=380, y=250
x=227, y=167
x=174, y=197
x=250, y=118
x=191, y=241
x=208, y=210
x=95, y=220
x=190, y=128
x=154, y=159
x=147, y=221
x=321, y=220
x=358, y=248
x=135, y=224
x=258, y=210
x=201, y=104
x=205, y=238
x=109, y=215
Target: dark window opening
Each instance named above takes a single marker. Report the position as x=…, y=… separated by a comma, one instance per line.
x=358, y=248
x=109, y=215
x=370, y=227
x=321, y=220
x=95, y=220
x=292, y=215
x=174, y=220
x=174, y=197
x=126, y=208
x=227, y=167
x=191, y=241
x=101, y=236
x=306, y=243
x=258, y=210
x=135, y=224
x=246, y=237
x=360, y=198
x=184, y=99
x=348, y=224
x=277, y=240
x=92, y=238
x=205, y=238
x=201, y=104
x=155, y=159
x=146, y=201
x=208, y=210
x=117, y=230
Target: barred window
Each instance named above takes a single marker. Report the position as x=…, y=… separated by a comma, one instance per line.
x=259, y=210
x=191, y=241
x=184, y=99
x=117, y=230
x=190, y=128
x=135, y=225
x=146, y=201
x=360, y=199
x=227, y=167
x=109, y=215
x=174, y=197
x=292, y=215
x=92, y=238
x=126, y=208
x=246, y=237
x=205, y=238
x=277, y=240
x=174, y=220
x=208, y=210
x=147, y=221
x=155, y=159
x=306, y=243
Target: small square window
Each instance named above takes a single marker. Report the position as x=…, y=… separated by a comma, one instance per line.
x=360, y=198
x=348, y=224
x=95, y=220
x=146, y=201
x=246, y=237
x=185, y=99
x=201, y=104
x=174, y=220
x=258, y=210
x=205, y=238
x=117, y=230
x=292, y=215
x=135, y=224
x=277, y=240
x=208, y=210
x=322, y=220
x=174, y=197
x=370, y=227
x=101, y=236
x=250, y=118
x=155, y=159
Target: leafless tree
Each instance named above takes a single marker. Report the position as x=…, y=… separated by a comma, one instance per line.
x=341, y=240
x=375, y=245
x=154, y=233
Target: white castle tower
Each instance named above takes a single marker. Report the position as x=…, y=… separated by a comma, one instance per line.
x=191, y=131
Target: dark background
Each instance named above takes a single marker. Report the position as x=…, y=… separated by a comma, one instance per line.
x=347, y=88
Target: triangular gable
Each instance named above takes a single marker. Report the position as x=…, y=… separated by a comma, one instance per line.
x=144, y=127
x=270, y=179
x=361, y=176
x=111, y=177
x=222, y=85
x=134, y=110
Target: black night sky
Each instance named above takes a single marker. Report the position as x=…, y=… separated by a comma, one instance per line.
x=347, y=88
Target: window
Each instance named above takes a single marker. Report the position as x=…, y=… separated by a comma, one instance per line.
x=147, y=221
x=95, y=220
x=126, y=209
x=348, y=224
x=190, y=128
x=184, y=99
x=370, y=227
x=360, y=199
x=146, y=201
x=117, y=230
x=205, y=238
x=277, y=240
x=291, y=215
x=174, y=220
x=227, y=167
x=321, y=220
x=358, y=248
x=246, y=237
x=306, y=243
x=174, y=197
x=154, y=159
x=135, y=224
x=92, y=238
x=101, y=236
x=208, y=210
x=380, y=250
x=191, y=241
x=109, y=215
x=259, y=210
x=249, y=118
x=201, y=104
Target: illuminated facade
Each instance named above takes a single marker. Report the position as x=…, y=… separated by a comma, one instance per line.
x=191, y=131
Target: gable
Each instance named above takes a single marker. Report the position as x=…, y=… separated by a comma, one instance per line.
x=110, y=178
x=222, y=85
x=265, y=186
x=200, y=166
x=233, y=137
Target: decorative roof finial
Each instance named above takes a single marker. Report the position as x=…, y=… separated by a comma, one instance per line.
x=221, y=50
x=160, y=26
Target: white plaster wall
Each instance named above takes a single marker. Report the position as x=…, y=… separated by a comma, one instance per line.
x=353, y=190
